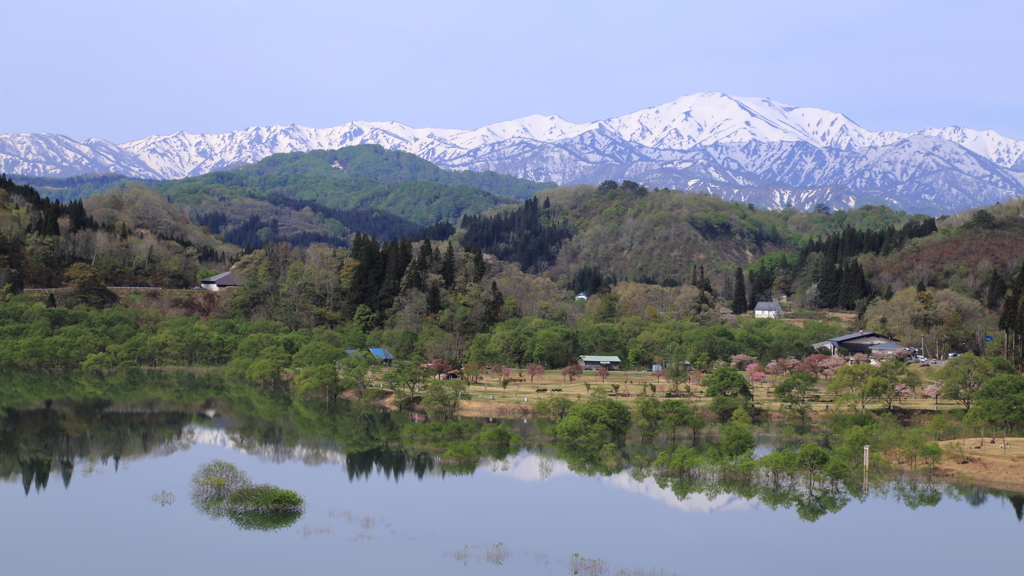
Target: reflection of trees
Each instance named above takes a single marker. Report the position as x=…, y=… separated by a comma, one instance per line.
x=392, y=463
x=34, y=443
x=93, y=419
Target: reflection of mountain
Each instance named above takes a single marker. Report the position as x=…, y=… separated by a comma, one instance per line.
x=533, y=467
x=269, y=452
x=693, y=503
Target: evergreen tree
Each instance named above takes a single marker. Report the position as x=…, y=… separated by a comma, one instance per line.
x=494, y=305
x=739, y=299
x=479, y=266
x=434, y=304
x=448, y=267
x=828, y=283
x=887, y=293
x=996, y=290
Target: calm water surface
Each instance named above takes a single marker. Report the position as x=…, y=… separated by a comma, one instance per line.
x=527, y=514
x=105, y=522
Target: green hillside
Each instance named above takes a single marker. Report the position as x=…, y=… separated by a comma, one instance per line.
x=388, y=167
x=126, y=236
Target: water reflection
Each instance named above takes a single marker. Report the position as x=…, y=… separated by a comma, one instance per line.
x=115, y=419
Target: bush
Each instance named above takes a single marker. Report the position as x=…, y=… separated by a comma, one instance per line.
x=218, y=479
x=462, y=451
x=220, y=489
x=265, y=498
x=499, y=435
x=931, y=453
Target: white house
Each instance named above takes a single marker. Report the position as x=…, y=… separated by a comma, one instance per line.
x=768, y=310
x=581, y=296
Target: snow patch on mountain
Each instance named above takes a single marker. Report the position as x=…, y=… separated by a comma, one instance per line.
x=753, y=148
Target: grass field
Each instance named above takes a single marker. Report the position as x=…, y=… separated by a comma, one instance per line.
x=632, y=384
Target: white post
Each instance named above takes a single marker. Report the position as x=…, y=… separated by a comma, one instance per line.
x=866, y=456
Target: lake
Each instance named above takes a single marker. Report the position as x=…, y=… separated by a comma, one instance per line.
x=83, y=479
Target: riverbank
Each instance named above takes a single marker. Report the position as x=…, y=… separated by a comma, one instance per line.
x=989, y=465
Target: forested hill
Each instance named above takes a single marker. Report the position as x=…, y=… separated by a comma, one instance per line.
x=625, y=231
x=126, y=236
x=388, y=167
x=323, y=196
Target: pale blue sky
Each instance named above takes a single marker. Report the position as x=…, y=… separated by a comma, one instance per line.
x=123, y=70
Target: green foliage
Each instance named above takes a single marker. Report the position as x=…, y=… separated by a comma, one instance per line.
x=443, y=398
x=726, y=381
x=794, y=392
x=593, y=421
x=218, y=479
x=683, y=460
x=964, y=375
x=320, y=380
x=737, y=439
x=264, y=498
x=556, y=407
x=1001, y=400
x=498, y=435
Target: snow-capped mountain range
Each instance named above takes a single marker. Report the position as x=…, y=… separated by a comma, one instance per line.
x=748, y=149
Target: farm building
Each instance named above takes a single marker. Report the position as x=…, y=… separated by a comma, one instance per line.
x=382, y=354
x=768, y=310
x=863, y=342
x=219, y=281
x=596, y=362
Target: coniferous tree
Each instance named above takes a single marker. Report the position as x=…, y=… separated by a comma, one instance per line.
x=494, y=305
x=479, y=266
x=434, y=304
x=887, y=293
x=739, y=299
x=996, y=290
x=448, y=267
x=828, y=283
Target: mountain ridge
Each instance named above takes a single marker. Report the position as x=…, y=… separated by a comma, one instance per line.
x=728, y=143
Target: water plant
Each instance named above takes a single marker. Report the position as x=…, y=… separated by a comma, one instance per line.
x=264, y=498
x=220, y=489
x=218, y=480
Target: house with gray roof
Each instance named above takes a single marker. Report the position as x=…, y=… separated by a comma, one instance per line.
x=597, y=362
x=771, y=310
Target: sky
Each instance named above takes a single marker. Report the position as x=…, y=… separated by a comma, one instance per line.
x=124, y=70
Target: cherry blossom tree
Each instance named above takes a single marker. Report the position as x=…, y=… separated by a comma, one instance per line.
x=754, y=373
x=740, y=361
x=830, y=364
x=534, y=370
x=860, y=358
x=572, y=371
x=440, y=366
x=602, y=373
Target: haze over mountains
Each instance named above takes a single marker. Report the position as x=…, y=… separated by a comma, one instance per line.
x=747, y=149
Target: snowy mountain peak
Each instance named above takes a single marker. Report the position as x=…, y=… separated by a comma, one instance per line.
x=737, y=146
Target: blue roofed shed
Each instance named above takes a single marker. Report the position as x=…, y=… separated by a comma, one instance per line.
x=382, y=354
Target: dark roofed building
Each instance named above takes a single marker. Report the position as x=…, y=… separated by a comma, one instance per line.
x=861, y=341
x=219, y=281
